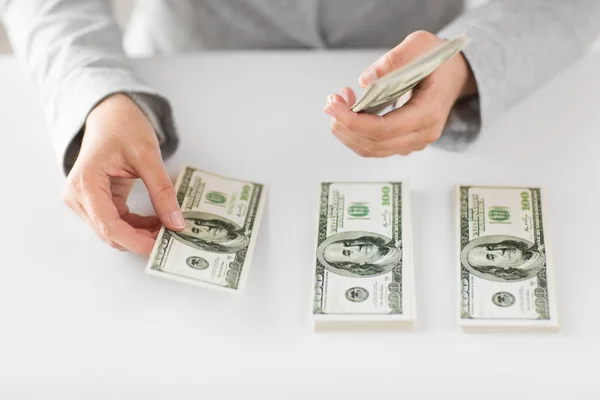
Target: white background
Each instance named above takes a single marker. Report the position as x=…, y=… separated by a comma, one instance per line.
x=79, y=320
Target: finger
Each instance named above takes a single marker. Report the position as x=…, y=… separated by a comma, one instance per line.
x=422, y=112
x=346, y=119
x=403, y=145
x=349, y=96
x=98, y=204
x=120, y=188
x=148, y=233
x=361, y=145
x=336, y=98
x=409, y=49
x=76, y=206
x=119, y=202
x=356, y=148
x=375, y=127
x=420, y=115
x=142, y=222
x=162, y=193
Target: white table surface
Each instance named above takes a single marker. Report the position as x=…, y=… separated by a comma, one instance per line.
x=80, y=320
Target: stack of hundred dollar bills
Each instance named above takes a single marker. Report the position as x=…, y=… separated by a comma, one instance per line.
x=389, y=88
x=214, y=250
x=506, y=275
x=364, y=276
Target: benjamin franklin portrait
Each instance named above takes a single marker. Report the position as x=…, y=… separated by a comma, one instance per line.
x=209, y=232
x=502, y=258
x=359, y=254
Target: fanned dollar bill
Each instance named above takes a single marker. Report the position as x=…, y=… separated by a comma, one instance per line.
x=364, y=274
x=215, y=249
x=506, y=272
x=389, y=88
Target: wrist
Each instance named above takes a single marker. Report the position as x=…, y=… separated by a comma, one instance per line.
x=111, y=103
x=468, y=86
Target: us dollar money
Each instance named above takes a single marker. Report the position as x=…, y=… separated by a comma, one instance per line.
x=389, y=88
x=364, y=273
x=506, y=272
x=222, y=218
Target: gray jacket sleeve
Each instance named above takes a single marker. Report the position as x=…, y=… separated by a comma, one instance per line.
x=516, y=46
x=72, y=50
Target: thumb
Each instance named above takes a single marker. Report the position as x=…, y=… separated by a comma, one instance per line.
x=409, y=49
x=162, y=193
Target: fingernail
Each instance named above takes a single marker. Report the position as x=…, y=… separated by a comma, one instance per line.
x=330, y=99
x=177, y=219
x=369, y=76
x=330, y=111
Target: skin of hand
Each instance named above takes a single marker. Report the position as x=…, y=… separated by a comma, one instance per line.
x=417, y=123
x=119, y=145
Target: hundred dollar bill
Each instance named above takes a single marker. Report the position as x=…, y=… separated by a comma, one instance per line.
x=364, y=274
x=222, y=217
x=389, y=88
x=506, y=272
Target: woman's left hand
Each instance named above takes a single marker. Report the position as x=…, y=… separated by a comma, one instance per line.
x=417, y=123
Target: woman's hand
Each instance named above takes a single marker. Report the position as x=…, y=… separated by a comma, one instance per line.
x=417, y=123
x=120, y=145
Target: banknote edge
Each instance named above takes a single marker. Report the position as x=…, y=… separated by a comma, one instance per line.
x=252, y=245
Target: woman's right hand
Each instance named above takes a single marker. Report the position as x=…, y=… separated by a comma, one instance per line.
x=119, y=145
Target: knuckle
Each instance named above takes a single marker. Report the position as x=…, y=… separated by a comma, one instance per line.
x=85, y=182
x=367, y=154
x=430, y=118
x=431, y=137
x=370, y=149
x=336, y=126
x=404, y=150
x=421, y=35
x=104, y=230
x=73, y=184
x=113, y=244
x=438, y=115
x=359, y=150
x=350, y=125
x=389, y=132
x=143, y=150
x=67, y=197
x=164, y=190
x=420, y=147
x=388, y=62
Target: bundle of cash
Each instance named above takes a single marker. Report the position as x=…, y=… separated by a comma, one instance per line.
x=215, y=248
x=506, y=277
x=389, y=88
x=364, y=276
